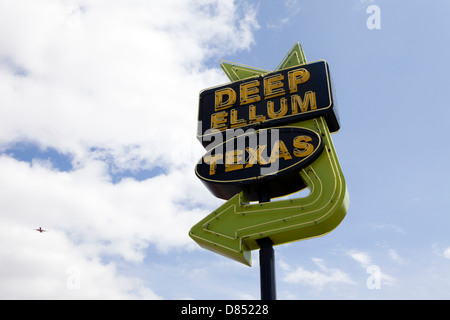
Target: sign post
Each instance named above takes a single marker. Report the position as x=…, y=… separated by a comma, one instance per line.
x=267, y=269
x=266, y=263
x=267, y=135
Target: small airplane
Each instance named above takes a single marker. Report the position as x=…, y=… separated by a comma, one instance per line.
x=40, y=230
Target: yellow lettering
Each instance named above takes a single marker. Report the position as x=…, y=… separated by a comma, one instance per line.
x=301, y=146
x=233, y=160
x=280, y=113
x=253, y=118
x=220, y=96
x=212, y=161
x=279, y=150
x=255, y=156
x=273, y=86
x=308, y=100
x=234, y=121
x=219, y=120
x=297, y=77
x=249, y=92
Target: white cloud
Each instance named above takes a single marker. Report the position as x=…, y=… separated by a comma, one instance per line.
x=128, y=74
x=361, y=257
x=446, y=253
x=365, y=261
x=51, y=266
x=86, y=206
x=317, y=278
x=440, y=250
x=110, y=83
x=393, y=254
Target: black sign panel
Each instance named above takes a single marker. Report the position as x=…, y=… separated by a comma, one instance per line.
x=276, y=98
x=267, y=159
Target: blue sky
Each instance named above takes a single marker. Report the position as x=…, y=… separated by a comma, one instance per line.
x=98, y=146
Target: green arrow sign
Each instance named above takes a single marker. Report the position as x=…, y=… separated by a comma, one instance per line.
x=236, y=72
x=234, y=228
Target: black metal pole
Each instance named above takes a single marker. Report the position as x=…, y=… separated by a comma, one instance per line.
x=263, y=197
x=266, y=262
x=267, y=269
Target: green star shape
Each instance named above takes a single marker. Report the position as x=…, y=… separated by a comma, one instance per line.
x=236, y=71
